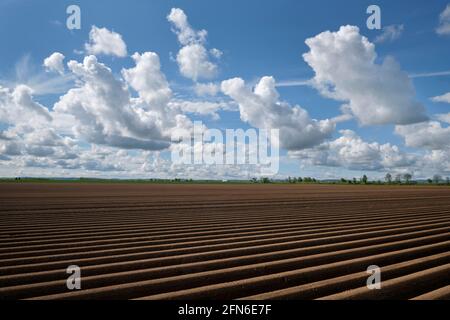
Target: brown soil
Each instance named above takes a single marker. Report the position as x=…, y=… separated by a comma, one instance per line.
x=149, y=241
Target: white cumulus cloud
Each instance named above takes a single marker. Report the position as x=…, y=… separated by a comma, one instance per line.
x=346, y=70
x=104, y=41
x=429, y=135
x=351, y=152
x=194, y=64
x=18, y=106
x=193, y=58
x=148, y=80
x=261, y=108
x=55, y=62
x=104, y=113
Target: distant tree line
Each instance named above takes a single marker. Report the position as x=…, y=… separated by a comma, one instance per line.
x=437, y=179
x=407, y=179
x=291, y=180
x=403, y=179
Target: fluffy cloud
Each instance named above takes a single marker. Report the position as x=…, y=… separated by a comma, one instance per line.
x=37, y=141
x=194, y=64
x=148, y=80
x=104, y=112
x=390, y=33
x=29, y=131
x=54, y=163
x=429, y=135
x=437, y=161
x=181, y=27
x=104, y=41
x=18, y=106
x=444, y=21
x=55, y=63
x=10, y=148
x=351, y=152
x=345, y=70
x=262, y=109
x=193, y=58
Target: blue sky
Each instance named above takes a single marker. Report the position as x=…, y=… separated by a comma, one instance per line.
x=256, y=39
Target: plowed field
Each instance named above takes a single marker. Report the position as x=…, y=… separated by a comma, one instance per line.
x=150, y=241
